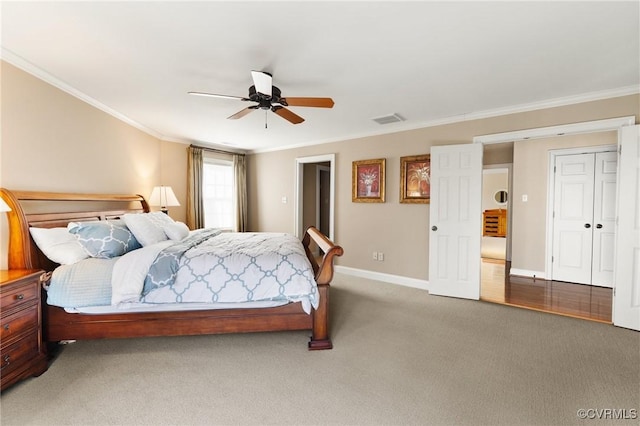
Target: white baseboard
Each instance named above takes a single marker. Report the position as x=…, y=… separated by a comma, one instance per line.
x=387, y=278
x=414, y=282
x=527, y=273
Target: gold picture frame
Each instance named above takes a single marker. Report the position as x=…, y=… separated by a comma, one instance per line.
x=367, y=181
x=415, y=179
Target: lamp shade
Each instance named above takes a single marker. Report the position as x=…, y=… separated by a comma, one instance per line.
x=164, y=197
x=4, y=207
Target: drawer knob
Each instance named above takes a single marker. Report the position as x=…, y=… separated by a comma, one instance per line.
x=6, y=326
x=20, y=296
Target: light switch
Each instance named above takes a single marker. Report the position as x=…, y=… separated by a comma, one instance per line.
x=525, y=198
x=284, y=200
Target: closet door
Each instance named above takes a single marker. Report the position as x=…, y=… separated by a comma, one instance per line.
x=584, y=218
x=573, y=218
x=604, y=218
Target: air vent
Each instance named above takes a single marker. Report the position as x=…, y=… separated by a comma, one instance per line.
x=388, y=119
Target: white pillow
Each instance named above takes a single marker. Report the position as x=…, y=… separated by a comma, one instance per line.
x=58, y=245
x=176, y=231
x=161, y=218
x=145, y=227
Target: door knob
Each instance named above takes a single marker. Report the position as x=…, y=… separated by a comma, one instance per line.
x=599, y=226
x=434, y=228
x=587, y=225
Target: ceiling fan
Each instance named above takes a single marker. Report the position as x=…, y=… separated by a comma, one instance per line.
x=268, y=97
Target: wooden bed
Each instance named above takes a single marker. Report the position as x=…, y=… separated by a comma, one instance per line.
x=62, y=208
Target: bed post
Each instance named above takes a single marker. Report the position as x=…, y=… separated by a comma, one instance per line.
x=323, y=274
x=20, y=252
x=320, y=332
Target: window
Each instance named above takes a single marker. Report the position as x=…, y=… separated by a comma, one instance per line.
x=218, y=194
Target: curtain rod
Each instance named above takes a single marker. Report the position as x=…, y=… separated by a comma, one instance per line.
x=218, y=151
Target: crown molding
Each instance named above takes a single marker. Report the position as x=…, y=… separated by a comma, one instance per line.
x=34, y=70
x=551, y=103
x=19, y=62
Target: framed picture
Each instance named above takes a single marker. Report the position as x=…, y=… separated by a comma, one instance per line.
x=367, y=181
x=415, y=179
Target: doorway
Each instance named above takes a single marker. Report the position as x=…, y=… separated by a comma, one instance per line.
x=308, y=190
x=323, y=195
x=496, y=212
x=552, y=169
x=625, y=132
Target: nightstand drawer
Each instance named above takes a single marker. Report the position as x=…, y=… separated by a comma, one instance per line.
x=18, y=354
x=19, y=322
x=22, y=352
x=23, y=294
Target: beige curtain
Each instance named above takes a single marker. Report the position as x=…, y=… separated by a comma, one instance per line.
x=240, y=170
x=195, y=207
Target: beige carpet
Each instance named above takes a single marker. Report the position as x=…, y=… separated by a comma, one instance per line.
x=400, y=357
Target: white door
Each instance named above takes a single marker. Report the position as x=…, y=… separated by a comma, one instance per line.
x=572, y=218
x=455, y=220
x=604, y=218
x=626, y=296
x=584, y=218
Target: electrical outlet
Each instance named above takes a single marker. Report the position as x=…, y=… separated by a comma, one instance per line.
x=380, y=256
x=375, y=255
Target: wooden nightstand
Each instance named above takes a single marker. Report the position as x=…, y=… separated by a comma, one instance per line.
x=22, y=351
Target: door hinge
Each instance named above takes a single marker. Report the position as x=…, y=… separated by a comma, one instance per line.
x=554, y=169
x=551, y=259
x=620, y=149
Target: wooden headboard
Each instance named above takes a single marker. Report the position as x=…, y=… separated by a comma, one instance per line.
x=61, y=208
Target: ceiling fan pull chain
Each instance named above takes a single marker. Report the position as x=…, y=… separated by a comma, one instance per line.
x=265, y=118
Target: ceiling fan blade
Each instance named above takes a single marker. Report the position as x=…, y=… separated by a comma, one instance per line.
x=308, y=102
x=242, y=113
x=212, y=95
x=263, y=82
x=287, y=114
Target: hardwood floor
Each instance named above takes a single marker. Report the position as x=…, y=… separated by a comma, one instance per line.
x=575, y=300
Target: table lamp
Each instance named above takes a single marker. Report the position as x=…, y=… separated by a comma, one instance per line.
x=164, y=197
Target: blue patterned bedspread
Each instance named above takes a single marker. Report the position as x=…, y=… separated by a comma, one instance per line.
x=210, y=266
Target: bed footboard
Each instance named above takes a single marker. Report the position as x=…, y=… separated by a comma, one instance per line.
x=323, y=271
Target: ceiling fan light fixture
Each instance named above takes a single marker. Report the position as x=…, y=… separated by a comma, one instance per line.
x=388, y=119
x=269, y=97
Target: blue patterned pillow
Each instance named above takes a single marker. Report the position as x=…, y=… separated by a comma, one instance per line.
x=104, y=239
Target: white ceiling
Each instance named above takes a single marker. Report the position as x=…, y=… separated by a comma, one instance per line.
x=429, y=62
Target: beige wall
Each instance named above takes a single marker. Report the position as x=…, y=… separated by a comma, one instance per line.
x=493, y=181
x=530, y=177
x=173, y=172
x=498, y=153
x=52, y=141
x=400, y=231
